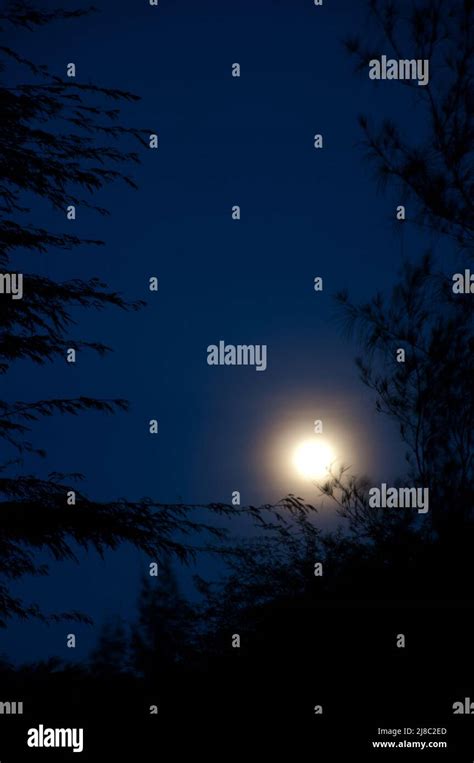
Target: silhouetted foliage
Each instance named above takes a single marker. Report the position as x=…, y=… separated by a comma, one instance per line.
x=430, y=394
x=393, y=554
x=111, y=654
x=432, y=168
x=60, y=142
x=164, y=635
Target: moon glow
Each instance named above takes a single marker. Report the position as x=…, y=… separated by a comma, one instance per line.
x=313, y=458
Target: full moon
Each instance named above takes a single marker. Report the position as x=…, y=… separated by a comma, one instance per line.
x=313, y=458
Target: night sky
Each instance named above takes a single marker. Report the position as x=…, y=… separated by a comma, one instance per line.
x=305, y=213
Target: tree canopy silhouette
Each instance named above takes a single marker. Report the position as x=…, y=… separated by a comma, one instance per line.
x=432, y=168
x=430, y=395
x=390, y=554
x=60, y=142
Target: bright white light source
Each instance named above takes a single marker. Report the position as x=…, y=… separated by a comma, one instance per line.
x=313, y=458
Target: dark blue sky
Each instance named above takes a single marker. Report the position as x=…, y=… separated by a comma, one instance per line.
x=305, y=212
